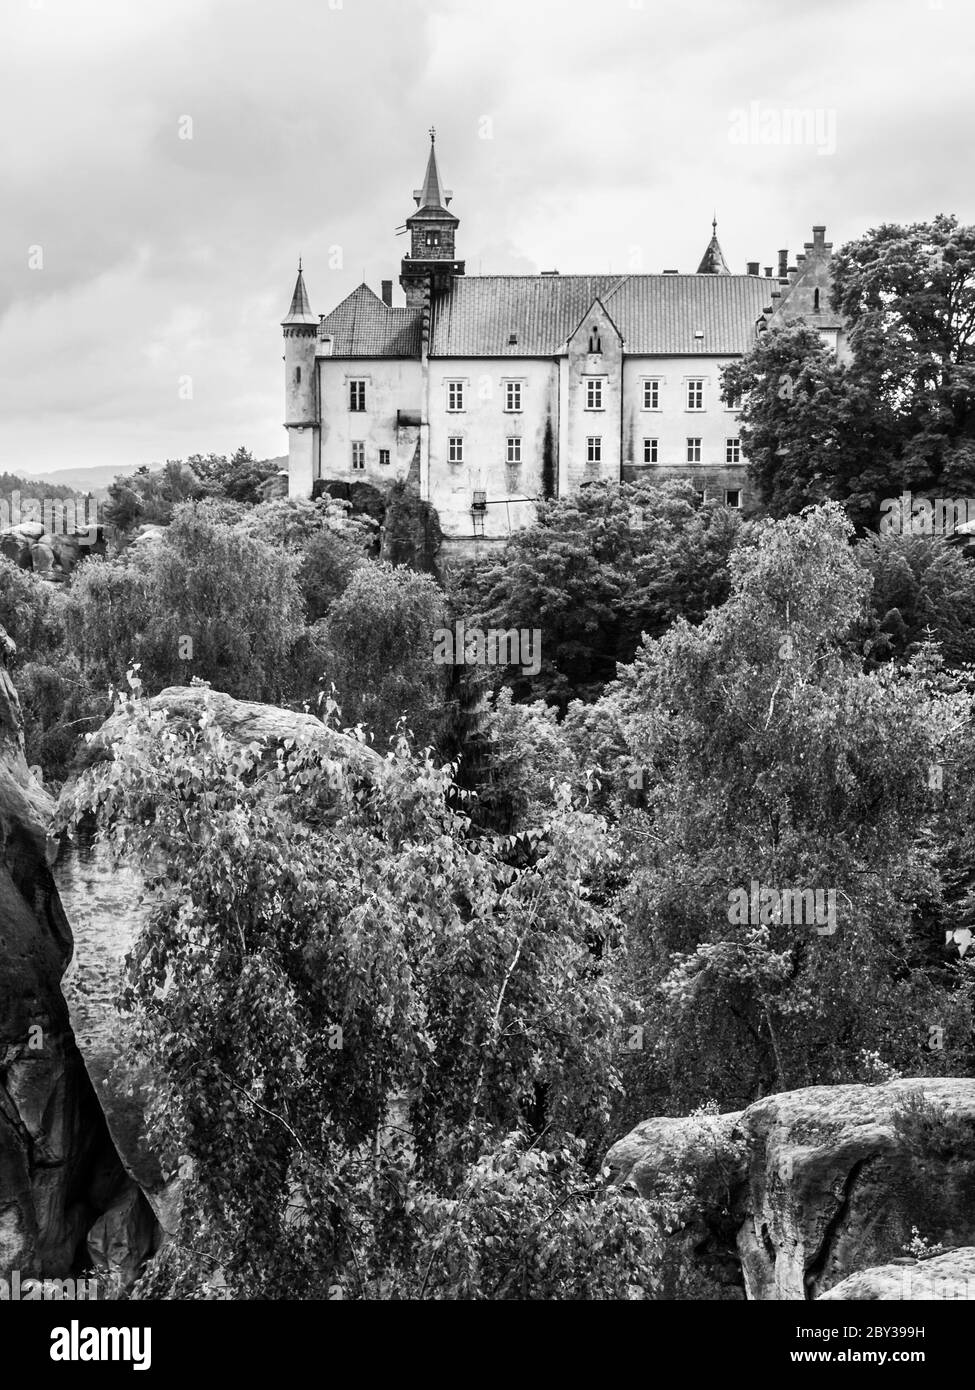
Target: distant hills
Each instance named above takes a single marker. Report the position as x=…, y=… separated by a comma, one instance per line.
x=98, y=478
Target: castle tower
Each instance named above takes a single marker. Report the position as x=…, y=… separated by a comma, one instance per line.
x=301, y=417
x=713, y=261
x=430, y=263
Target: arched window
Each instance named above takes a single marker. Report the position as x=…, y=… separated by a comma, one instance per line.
x=595, y=345
x=816, y=300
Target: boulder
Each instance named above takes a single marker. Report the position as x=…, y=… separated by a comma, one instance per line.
x=42, y=558
x=105, y=907
x=951, y=1275
x=51, y=1129
x=830, y=1180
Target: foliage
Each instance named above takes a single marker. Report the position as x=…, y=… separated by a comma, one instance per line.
x=379, y=640
x=772, y=756
x=343, y=959
x=600, y=568
x=900, y=415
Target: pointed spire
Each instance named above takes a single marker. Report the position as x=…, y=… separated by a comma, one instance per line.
x=713, y=261
x=432, y=194
x=300, y=311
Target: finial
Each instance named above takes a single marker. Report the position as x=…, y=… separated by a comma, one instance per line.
x=433, y=135
x=714, y=222
x=299, y=265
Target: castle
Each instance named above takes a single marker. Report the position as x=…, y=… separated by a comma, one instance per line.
x=489, y=392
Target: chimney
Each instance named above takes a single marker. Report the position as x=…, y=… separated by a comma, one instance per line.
x=753, y=267
x=768, y=272
x=671, y=272
x=783, y=265
x=388, y=293
x=819, y=237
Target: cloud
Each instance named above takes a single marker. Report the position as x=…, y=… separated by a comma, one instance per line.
x=572, y=136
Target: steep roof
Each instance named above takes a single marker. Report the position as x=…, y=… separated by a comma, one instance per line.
x=713, y=261
x=656, y=314
x=432, y=194
x=363, y=326
x=300, y=311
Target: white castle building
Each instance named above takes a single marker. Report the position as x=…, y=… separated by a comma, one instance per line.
x=491, y=392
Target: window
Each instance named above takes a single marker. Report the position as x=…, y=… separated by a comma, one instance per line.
x=651, y=394
x=733, y=497
x=595, y=342
x=357, y=395
x=816, y=301
x=649, y=451
x=594, y=449
x=455, y=395
x=297, y=376
x=514, y=448
x=695, y=393
x=384, y=457
x=512, y=395
x=594, y=394
x=732, y=451
x=699, y=494
x=455, y=449
x=433, y=238
x=358, y=455
x=694, y=449
x=734, y=401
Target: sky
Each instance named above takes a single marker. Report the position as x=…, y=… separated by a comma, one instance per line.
x=165, y=162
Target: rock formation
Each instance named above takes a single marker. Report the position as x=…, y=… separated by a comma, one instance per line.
x=815, y=1185
x=103, y=904
x=58, y=1170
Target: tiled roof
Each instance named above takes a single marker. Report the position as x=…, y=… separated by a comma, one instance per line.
x=478, y=316
x=363, y=326
x=654, y=313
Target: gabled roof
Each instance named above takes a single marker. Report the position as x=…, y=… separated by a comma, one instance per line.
x=300, y=311
x=656, y=314
x=363, y=326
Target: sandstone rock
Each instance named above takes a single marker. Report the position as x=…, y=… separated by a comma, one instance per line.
x=50, y=1125
x=104, y=905
x=695, y=1166
x=947, y=1276
x=123, y=1237
x=15, y=549
x=42, y=558
x=833, y=1181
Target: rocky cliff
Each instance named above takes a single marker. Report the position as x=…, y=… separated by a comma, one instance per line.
x=58, y=1169
x=791, y=1197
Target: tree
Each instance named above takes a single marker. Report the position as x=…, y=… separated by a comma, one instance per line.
x=899, y=416
x=379, y=640
x=595, y=571
x=362, y=1002
x=767, y=757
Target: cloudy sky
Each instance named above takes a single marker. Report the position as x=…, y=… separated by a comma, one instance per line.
x=165, y=162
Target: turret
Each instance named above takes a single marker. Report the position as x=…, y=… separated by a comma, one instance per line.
x=301, y=416
x=430, y=263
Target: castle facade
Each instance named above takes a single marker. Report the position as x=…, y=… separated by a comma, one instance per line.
x=490, y=392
